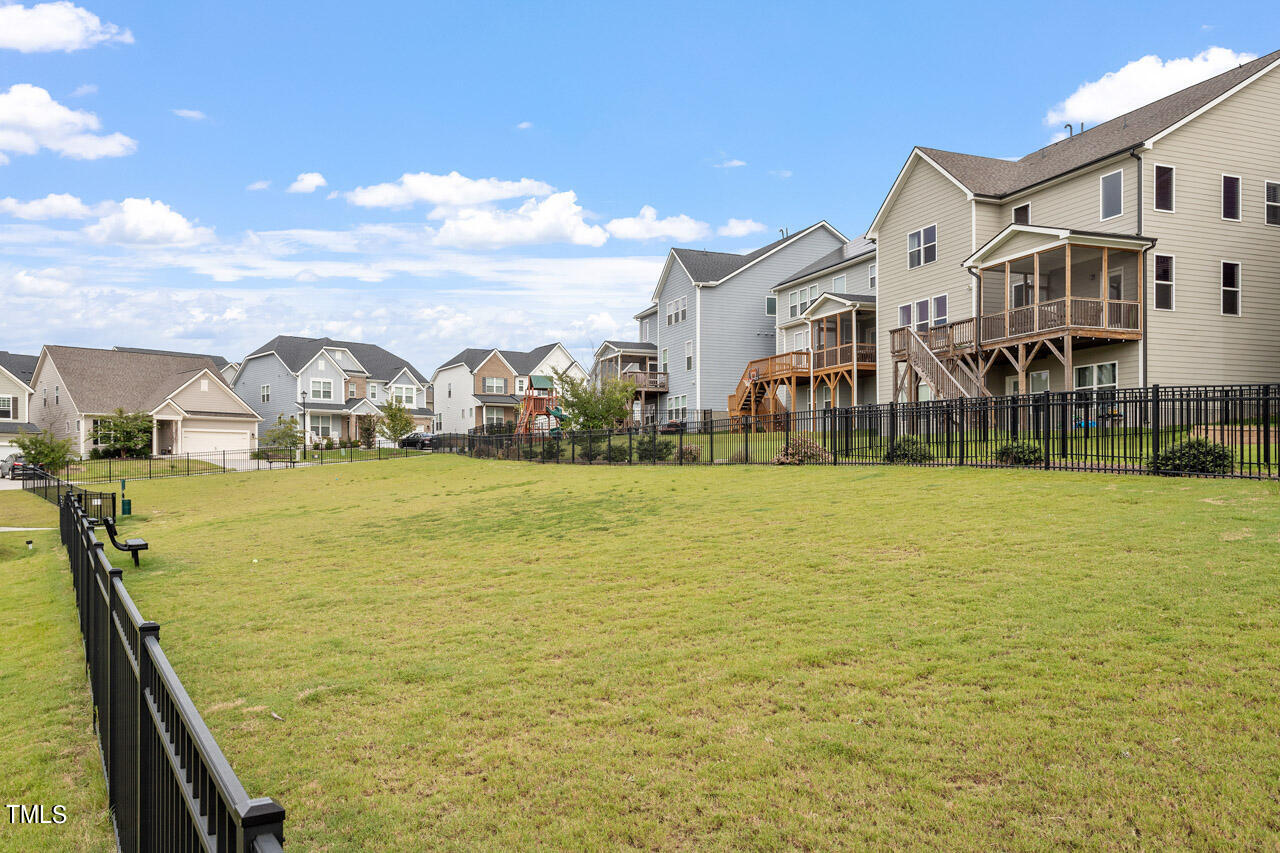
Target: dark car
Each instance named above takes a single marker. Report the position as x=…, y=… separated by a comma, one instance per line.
x=671, y=427
x=16, y=468
x=417, y=441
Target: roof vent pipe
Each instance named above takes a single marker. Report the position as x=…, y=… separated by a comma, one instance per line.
x=1071, y=131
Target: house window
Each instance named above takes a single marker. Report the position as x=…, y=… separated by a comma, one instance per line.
x=904, y=315
x=1164, y=188
x=940, y=310
x=322, y=365
x=644, y=330
x=684, y=307
x=265, y=393
x=1022, y=214
x=55, y=395
x=1231, y=197
x=8, y=408
x=771, y=306
x=495, y=385
x=871, y=277
x=1096, y=377
x=520, y=384
x=793, y=303
x=204, y=384
x=678, y=407
x=322, y=389
x=662, y=362
x=373, y=392
x=322, y=425
x=494, y=417
x=404, y=395
x=837, y=284
x=688, y=355
x=1115, y=283
x=1164, y=282
x=922, y=247
x=1231, y=288
x=824, y=397
x=448, y=390
x=1272, y=203
x=44, y=390
x=922, y=315
x=1111, y=192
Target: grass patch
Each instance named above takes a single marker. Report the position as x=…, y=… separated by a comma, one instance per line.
x=48, y=750
x=487, y=654
x=19, y=509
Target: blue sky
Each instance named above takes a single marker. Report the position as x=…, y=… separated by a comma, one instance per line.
x=562, y=121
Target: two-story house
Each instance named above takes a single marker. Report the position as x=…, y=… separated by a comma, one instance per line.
x=327, y=385
x=16, y=391
x=824, y=338
x=712, y=312
x=1139, y=251
x=483, y=387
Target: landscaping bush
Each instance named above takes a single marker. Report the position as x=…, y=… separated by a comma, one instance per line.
x=589, y=448
x=97, y=453
x=803, y=451
x=1196, y=456
x=651, y=449
x=617, y=453
x=739, y=457
x=550, y=450
x=1020, y=453
x=328, y=444
x=689, y=453
x=908, y=450
x=482, y=450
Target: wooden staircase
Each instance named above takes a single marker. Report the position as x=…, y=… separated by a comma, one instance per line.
x=946, y=380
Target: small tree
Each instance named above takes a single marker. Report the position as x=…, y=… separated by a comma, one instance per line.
x=588, y=406
x=124, y=434
x=396, y=421
x=284, y=433
x=367, y=429
x=41, y=448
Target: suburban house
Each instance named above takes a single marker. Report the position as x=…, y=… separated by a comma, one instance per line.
x=1139, y=251
x=713, y=312
x=635, y=362
x=481, y=387
x=825, y=326
x=15, y=398
x=193, y=408
x=327, y=385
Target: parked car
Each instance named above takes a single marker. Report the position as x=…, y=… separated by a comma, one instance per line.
x=16, y=468
x=671, y=427
x=417, y=441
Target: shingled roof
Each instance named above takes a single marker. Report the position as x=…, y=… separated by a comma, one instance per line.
x=216, y=359
x=859, y=247
x=523, y=363
x=21, y=366
x=703, y=265
x=103, y=380
x=990, y=176
x=296, y=352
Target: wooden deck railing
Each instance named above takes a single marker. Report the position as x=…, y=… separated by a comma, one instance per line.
x=948, y=339
x=1048, y=317
x=646, y=380
x=843, y=355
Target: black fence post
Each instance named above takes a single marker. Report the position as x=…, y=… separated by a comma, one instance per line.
x=631, y=446
x=893, y=424
x=1155, y=420
x=1044, y=426
x=680, y=452
x=1264, y=428
x=146, y=758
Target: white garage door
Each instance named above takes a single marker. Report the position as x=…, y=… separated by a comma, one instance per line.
x=202, y=441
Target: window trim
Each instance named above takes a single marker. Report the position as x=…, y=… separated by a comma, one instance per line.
x=771, y=301
x=13, y=407
x=933, y=309
x=1013, y=214
x=838, y=281
x=484, y=385
x=1222, y=198
x=911, y=316
x=688, y=355
x=1115, y=386
x=1172, y=282
x=1239, y=288
x=1102, y=196
x=1173, y=188
x=316, y=396
x=872, y=275
x=264, y=393
x=923, y=244
x=1266, y=204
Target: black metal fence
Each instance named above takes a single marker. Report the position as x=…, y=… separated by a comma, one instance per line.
x=169, y=786
x=222, y=462
x=1217, y=431
x=53, y=489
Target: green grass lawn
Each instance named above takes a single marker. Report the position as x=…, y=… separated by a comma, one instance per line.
x=19, y=509
x=107, y=470
x=483, y=654
x=48, y=750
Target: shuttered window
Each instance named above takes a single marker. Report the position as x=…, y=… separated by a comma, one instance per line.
x=1231, y=197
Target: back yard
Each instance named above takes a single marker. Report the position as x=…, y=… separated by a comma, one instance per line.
x=471, y=653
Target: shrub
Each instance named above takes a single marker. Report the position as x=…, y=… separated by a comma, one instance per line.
x=1196, y=456
x=689, y=453
x=739, y=457
x=328, y=444
x=803, y=451
x=97, y=453
x=550, y=450
x=617, y=453
x=908, y=450
x=589, y=448
x=1019, y=453
x=482, y=450
x=651, y=449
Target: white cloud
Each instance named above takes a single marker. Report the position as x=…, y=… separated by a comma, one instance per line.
x=451, y=190
x=258, y=185
x=740, y=228
x=524, y=125
x=194, y=115
x=55, y=26
x=781, y=173
x=1141, y=82
x=41, y=283
x=30, y=120
x=142, y=221
x=308, y=182
x=555, y=219
x=647, y=226
x=84, y=89
x=52, y=206
x=730, y=164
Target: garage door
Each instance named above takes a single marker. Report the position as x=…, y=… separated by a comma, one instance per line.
x=202, y=441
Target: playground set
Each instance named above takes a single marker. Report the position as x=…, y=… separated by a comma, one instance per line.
x=540, y=408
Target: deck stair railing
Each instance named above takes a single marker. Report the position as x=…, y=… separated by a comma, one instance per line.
x=944, y=383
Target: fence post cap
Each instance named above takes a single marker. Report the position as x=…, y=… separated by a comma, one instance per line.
x=148, y=628
x=260, y=811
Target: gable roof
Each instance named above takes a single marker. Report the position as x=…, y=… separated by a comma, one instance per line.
x=522, y=363
x=297, y=352
x=23, y=367
x=990, y=176
x=857, y=248
x=216, y=359
x=103, y=380
x=708, y=266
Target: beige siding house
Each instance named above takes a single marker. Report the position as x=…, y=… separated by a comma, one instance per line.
x=15, y=398
x=1139, y=251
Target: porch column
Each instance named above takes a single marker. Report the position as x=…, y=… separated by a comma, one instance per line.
x=155, y=437
x=854, y=389
x=1068, y=286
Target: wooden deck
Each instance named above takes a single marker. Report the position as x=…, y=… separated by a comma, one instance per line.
x=765, y=376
